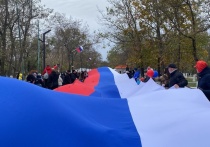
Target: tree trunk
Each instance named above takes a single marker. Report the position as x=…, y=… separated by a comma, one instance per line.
x=194, y=49
x=3, y=37
x=11, y=59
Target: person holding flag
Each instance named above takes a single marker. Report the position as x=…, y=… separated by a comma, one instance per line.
x=203, y=73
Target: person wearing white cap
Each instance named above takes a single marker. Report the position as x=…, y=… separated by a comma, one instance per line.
x=176, y=78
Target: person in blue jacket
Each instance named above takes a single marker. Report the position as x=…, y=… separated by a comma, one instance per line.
x=136, y=74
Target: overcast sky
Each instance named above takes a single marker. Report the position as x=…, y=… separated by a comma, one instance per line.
x=85, y=10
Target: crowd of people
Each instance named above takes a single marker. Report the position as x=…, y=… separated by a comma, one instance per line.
x=51, y=78
x=172, y=77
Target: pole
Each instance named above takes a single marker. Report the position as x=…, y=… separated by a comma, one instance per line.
x=44, y=47
x=43, y=51
x=72, y=61
x=80, y=62
x=38, y=50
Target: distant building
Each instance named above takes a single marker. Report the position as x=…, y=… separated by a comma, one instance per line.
x=83, y=69
x=120, y=68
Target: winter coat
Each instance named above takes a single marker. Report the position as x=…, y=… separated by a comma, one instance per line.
x=67, y=79
x=73, y=77
x=146, y=79
x=136, y=74
x=48, y=70
x=52, y=81
x=60, y=81
x=177, y=77
x=39, y=81
x=204, y=81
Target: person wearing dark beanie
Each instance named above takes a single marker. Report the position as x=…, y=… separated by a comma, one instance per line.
x=203, y=73
x=176, y=80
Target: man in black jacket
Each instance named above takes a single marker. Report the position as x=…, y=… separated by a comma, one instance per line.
x=203, y=77
x=176, y=78
x=67, y=78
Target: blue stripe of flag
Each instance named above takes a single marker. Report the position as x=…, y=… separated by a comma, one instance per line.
x=106, y=87
x=37, y=117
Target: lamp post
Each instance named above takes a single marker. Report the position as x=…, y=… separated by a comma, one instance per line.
x=38, y=49
x=73, y=53
x=71, y=62
x=43, y=41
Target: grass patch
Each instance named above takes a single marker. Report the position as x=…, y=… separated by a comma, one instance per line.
x=191, y=83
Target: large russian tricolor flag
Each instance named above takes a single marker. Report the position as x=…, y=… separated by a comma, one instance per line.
x=107, y=110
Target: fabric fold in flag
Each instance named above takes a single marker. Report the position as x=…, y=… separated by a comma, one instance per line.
x=34, y=116
x=107, y=110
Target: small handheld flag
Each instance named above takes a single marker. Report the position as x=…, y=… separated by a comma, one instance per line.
x=79, y=49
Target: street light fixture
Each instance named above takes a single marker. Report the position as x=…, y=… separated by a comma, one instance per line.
x=43, y=41
x=71, y=65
